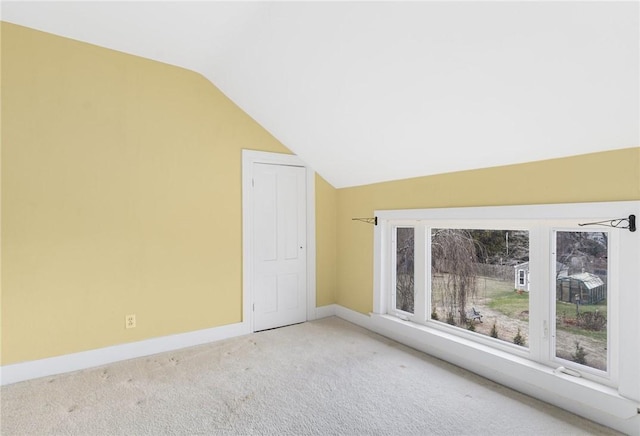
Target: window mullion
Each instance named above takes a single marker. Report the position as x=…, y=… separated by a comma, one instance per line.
x=540, y=320
x=420, y=275
x=392, y=272
x=381, y=256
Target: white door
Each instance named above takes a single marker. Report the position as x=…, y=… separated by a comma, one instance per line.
x=279, y=254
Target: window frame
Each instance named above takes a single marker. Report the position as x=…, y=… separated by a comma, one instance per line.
x=538, y=219
x=459, y=331
x=393, y=307
x=610, y=376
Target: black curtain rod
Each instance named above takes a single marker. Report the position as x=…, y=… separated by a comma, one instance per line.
x=373, y=220
x=618, y=223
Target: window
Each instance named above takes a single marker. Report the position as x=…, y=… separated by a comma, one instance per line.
x=521, y=281
x=581, y=309
x=525, y=280
x=472, y=275
x=404, y=277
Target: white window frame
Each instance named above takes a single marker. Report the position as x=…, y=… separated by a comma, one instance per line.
x=418, y=282
x=610, y=376
x=620, y=384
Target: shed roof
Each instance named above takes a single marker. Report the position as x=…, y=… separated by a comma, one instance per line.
x=591, y=281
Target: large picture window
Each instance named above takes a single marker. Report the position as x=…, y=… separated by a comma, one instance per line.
x=475, y=281
x=530, y=281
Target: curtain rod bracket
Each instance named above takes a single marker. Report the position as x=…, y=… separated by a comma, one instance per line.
x=618, y=223
x=373, y=220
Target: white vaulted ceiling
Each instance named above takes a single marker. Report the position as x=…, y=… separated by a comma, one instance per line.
x=373, y=91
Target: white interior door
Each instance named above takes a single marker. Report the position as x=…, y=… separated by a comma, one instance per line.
x=279, y=254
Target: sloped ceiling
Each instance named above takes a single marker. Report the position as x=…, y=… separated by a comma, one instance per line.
x=373, y=91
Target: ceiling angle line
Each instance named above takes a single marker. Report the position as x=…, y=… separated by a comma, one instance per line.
x=373, y=220
x=618, y=223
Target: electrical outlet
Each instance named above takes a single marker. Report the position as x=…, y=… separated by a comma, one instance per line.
x=130, y=321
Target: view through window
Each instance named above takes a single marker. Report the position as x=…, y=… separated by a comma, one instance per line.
x=405, y=279
x=581, y=297
x=478, y=281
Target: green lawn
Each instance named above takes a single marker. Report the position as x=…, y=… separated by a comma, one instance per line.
x=569, y=309
x=497, y=294
x=511, y=304
x=488, y=287
x=599, y=336
x=501, y=296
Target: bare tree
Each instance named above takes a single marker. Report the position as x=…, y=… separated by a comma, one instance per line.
x=404, y=269
x=454, y=257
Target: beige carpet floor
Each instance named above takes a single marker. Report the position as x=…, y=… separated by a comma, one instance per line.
x=326, y=377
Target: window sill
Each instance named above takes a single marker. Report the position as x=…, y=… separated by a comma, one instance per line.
x=566, y=391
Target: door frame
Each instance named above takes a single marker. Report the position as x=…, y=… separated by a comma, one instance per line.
x=250, y=157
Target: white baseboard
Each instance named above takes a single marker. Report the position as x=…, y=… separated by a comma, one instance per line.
x=602, y=405
x=18, y=372
x=88, y=359
x=354, y=317
x=326, y=311
x=510, y=375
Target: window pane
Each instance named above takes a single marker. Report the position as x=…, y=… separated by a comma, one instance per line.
x=581, y=298
x=480, y=281
x=405, y=243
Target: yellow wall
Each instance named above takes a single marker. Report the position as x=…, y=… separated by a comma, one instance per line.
x=326, y=242
x=607, y=176
x=121, y=194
